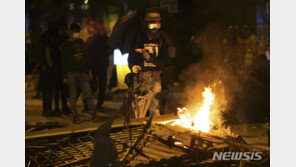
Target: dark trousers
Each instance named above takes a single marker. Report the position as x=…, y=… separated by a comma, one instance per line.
x=100, y=79
x=40, y=85
x=49, y=86
x=80, y=81
x=61, y=91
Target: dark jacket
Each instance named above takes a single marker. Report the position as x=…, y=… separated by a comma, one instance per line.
x=72, y=56
x=51, y=40
x=96, y=49
x=157, y=49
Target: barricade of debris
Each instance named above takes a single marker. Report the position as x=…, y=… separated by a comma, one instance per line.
x=153, y=144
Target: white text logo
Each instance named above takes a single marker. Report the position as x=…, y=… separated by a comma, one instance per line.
x=237, y=156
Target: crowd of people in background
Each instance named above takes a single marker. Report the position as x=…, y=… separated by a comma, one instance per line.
x=75, y=61
x=71, y=61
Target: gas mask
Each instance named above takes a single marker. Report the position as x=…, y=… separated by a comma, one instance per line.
x=154, y=26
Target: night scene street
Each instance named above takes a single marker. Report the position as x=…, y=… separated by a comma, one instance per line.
x=147, y=83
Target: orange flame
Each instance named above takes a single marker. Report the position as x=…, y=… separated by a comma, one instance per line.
x=200, y=121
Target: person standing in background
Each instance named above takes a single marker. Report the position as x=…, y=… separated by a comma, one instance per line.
x=61, y=89
x=89, y=29
x=76, y=71
x=96, y=48
x=250, y=42
x=51, y=64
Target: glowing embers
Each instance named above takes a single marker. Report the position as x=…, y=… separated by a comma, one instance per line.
x=200, y=120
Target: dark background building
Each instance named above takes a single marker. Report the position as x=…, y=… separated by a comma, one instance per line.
x=193, y=15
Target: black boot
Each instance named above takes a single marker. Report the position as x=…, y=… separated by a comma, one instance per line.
x=66, y=110
x=57, y=112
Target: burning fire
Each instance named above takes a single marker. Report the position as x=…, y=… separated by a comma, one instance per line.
x=199, y=121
